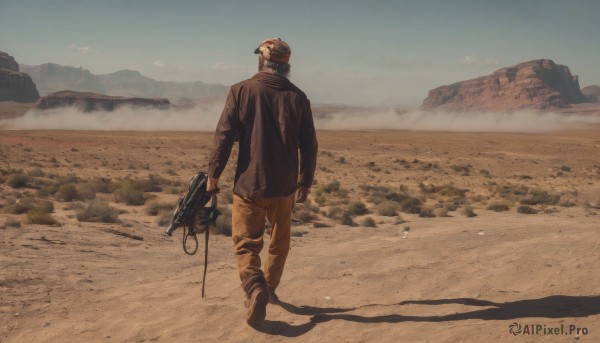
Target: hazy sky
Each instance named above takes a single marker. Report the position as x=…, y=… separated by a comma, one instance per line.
x=348, y=52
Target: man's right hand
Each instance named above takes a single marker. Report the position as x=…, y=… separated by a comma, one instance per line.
x=302, y=194
x=212, y=185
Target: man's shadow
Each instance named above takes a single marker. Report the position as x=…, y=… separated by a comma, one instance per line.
x=556, y=306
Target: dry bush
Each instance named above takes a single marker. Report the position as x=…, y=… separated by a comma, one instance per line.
x=347, y=219
x=37, y=172
x=126, y=191
x=509, y=191
x=465, y=170
x=499, y=206
x=155, y=207
x=335, y=212
x=469, y=212
x=321, y=199
x=356, y=208
x=98, y=211
x=68, y=192
x=40, y=215
x=387, y=209
x=223, y=224
x=18, y=180
x=526, y=209
x=26, y=204
x=411, y=205
x=426, y=212
x=369, y=222
x=12, y=223
x=539, y=197
x=441, y=212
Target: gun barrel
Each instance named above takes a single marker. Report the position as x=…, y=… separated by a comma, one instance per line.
x=171, y=228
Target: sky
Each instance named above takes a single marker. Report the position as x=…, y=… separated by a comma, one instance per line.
x=369, y=53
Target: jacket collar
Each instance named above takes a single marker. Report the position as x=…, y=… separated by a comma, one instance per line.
x=272, y=80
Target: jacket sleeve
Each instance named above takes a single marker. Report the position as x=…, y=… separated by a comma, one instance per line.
x=223, y=140
x=308, y=148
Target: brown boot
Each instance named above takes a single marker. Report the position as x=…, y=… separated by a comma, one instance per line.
x=256, y=300
x=257, y=305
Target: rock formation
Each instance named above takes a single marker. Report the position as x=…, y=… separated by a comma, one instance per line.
x=537, y=84
x=88, y=102
x=15, y=85
x=52, y=78
x=592, y=93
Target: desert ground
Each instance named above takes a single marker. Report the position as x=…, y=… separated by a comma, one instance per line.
x=407, y=237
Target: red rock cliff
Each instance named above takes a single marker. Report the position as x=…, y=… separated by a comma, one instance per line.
x=14, y=85
x=536, y=84
x=87, y=101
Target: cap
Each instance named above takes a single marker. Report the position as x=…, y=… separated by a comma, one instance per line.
x=275, y=50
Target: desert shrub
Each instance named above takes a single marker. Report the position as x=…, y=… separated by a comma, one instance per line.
x=499, y=206
x=68, y=192
x=331, y=187
x=26, y=204
x=427, y=189
x=12, y=223
x=509, y=191
x=463, y=169
x=427, y=212
x=98, y=211
x=223, y=224
x=411, y=205
x=526, y=209
x=125, y=190
x=37, y=172
x=155, y=207
x=306, y=216
x=18, y=180
x=321, y=199
x=441, y=212
x=226, y=196
x=398, y=197
x=87, y=190
x=567, y=203
x=450, y=190
x=147, y=185
x=64, y=179
x=537, y=197
x=335, y=212
x=40, y=215
x=388, y=209
x=356, y=208
x=469, y=212
x=369, y=222
x=347, y=219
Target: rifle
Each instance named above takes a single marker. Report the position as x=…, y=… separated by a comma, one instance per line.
x=193, y=215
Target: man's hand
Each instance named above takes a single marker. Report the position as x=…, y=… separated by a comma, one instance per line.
x=212, y=186
x=302, y=194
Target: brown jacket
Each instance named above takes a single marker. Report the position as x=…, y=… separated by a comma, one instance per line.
x=272, y=119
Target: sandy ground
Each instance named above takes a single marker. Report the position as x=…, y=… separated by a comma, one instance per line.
x=453, y=279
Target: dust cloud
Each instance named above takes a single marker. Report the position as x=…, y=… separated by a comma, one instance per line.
x=205, y=118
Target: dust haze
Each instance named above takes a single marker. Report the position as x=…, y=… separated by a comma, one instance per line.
x=205, y=118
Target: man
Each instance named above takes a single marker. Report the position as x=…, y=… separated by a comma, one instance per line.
x=272, y=120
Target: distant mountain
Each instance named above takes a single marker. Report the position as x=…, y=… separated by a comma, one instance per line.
x=51, y=78
x=537, y=84
x=592, y=93
x=15, y=85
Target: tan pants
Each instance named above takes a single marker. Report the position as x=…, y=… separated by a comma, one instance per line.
x=248, y=217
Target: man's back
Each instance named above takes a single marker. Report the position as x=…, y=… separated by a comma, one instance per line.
x=272, y=119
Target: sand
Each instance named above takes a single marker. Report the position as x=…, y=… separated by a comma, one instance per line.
x=452, y=279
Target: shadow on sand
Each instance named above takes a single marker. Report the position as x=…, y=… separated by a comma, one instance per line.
x=556, y=306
